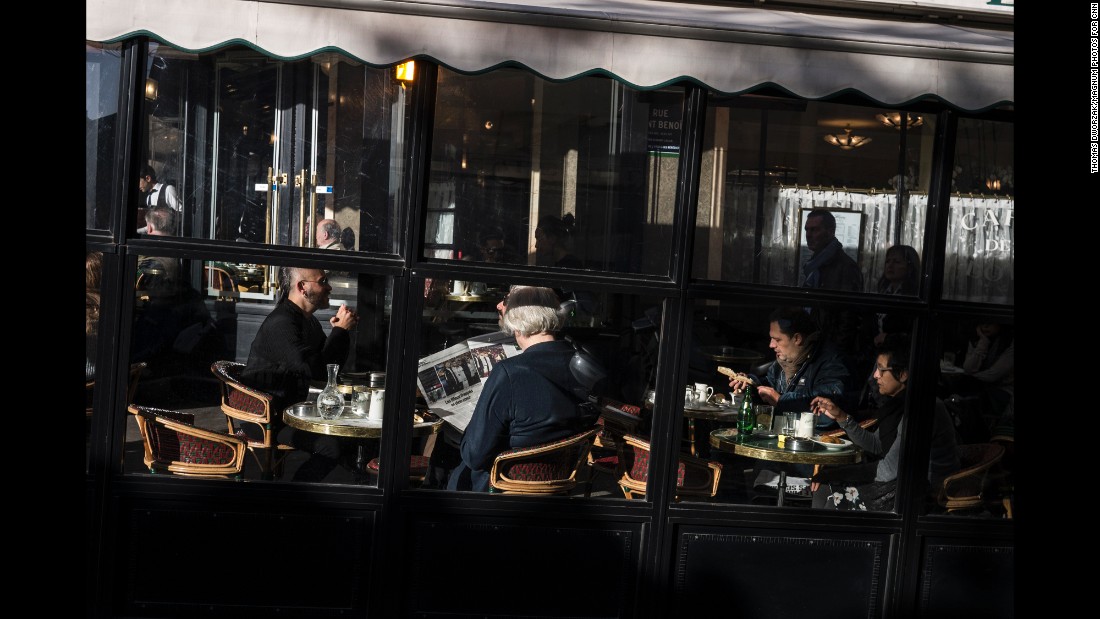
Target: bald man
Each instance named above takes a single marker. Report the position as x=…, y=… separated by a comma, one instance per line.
x=328, y=234
x=291, y=349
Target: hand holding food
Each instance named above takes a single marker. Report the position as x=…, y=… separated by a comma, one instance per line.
x=738, y=380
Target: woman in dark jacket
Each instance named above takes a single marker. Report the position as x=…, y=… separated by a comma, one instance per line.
x=871, y=483
x=530, y=399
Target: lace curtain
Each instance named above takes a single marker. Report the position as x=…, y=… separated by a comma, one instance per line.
x=980, y=261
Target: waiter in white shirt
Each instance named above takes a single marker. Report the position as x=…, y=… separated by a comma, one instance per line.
x=156, y=193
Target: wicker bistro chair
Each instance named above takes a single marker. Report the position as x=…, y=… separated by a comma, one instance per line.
x=694, y=476
x=174, y=444
x=549, y=468
x=243, y=404
x=616, y=419
x=965, y=488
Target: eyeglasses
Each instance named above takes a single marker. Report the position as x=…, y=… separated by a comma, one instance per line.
x=883, y=370
x=323, y=281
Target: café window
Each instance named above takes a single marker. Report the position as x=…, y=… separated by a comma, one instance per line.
x=828, y=403
x=93, y=302
x=976, y=386
x=212, y=402
x=577, y=175
x=469, y=359
x=103, y=77
x=980, y=264
x=308, y=153
x=771, y=166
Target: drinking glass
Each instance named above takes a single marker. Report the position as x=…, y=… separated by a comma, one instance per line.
x=764, y=416
x=790, y=423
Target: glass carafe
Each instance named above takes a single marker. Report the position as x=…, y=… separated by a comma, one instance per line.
x=330, y=402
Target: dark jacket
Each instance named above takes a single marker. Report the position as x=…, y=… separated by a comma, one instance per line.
x=291, y=349
x=823, y=373
x=527, y=400
x=875, y=442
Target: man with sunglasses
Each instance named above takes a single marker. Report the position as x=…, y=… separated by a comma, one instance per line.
x=290, y=350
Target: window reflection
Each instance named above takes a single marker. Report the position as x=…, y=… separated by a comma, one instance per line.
x=243, y=163
x=976, y=381
x=980, y=262
x=776, y=174
x=93, y=301
x=101, y=87
x=196, y=328
x=577, y=175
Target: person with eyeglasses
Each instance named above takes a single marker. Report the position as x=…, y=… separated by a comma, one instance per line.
x=291, y=349
x=871, y=484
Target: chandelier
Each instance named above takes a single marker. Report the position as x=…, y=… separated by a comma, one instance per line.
x=847, y=141
x=893, y=119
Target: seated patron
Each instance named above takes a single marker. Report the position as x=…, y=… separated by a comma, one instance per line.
x=871, y=484
x=805, y=366
x=291, y=349
x=529, y=399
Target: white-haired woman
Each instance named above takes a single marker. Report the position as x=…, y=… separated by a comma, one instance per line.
x=528, y=399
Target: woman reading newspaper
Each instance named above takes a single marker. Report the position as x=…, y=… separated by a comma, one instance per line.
x=529, y=399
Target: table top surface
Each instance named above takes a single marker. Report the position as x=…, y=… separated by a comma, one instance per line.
x=711, y=411
x=765, y=447
x=731, y=354
x=303, y=416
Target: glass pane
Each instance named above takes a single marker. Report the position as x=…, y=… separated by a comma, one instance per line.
x=305, y=154
x=795, y=372
x=497, y=391
x=979, y=265
x=93, y=271
x=977, y=388
x=578, y=175
x=754, y=222
x=102, y=68
x=232, y=361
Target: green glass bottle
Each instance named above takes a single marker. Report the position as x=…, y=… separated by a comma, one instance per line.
x=746, y=419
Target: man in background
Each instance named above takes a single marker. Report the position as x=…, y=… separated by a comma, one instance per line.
x=156, y=194
x=328, y=234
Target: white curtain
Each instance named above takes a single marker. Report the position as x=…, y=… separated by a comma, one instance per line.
x=439, y=222
x=980, y=250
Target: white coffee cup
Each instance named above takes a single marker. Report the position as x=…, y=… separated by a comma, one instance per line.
x=703, y=392
x=377, y=405
x=805, y=427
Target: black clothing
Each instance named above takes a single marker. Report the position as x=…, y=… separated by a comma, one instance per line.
x=289, y=351
x=527, y=400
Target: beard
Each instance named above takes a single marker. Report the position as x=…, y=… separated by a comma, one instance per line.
x=319, y=300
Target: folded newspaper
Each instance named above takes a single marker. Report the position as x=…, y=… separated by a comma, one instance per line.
x=796, y=486
x=451, y=379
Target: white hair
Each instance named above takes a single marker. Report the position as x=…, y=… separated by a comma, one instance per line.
x=531, y=320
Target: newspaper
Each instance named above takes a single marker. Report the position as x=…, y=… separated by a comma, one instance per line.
x=451, y=379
